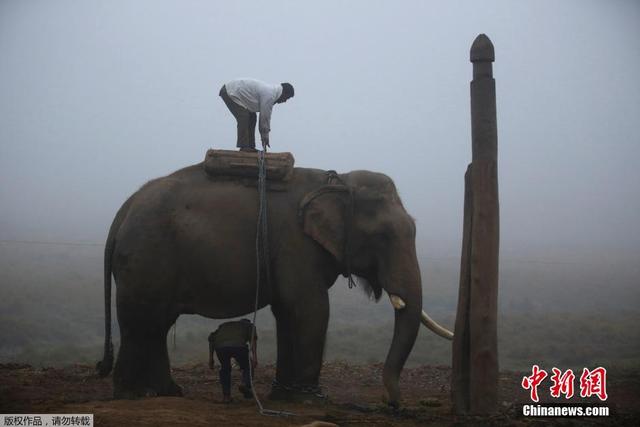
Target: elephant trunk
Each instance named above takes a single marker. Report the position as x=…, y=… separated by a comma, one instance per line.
x=405, y=331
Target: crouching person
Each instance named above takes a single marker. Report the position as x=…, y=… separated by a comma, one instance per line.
x=230, y=341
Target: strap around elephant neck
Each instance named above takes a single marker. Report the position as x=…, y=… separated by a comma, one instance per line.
x=347, y=239
x=332, y=178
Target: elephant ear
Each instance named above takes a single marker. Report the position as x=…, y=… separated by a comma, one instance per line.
x=324, y=215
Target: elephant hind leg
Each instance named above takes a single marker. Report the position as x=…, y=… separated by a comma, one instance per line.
x=142, y=367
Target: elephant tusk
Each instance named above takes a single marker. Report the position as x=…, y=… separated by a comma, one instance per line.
x=427, y=321
x=437, y=329
x=397, y=302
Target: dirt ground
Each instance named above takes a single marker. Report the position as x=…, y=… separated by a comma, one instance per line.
x=355, y=399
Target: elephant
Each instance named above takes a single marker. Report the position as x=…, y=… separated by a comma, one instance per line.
x=186, y=244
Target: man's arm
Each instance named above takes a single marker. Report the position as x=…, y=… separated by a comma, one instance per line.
x=254, y=349
x=254, y=354
x=266, y=107
x=211, y=350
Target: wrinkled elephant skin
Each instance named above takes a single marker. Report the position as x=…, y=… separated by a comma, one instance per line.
x=185, y=243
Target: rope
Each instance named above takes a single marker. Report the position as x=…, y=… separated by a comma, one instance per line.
x=262, y=257
x=332, y=177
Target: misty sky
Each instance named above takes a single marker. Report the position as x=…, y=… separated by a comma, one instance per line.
x=97, y=97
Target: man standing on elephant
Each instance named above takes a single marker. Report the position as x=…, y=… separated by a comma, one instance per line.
x=230, y=341
x=245, y=98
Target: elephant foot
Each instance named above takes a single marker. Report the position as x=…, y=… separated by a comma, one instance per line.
x=126, y=394
x=169, y=388
x=173, y=389
x=130, y=394
x=280, y=392
x=142, y=368
x=307, y=394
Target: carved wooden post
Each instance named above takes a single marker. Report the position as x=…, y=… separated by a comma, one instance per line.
x=460, y=353
x=475, y=375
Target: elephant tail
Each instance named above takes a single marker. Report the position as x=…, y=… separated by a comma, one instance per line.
x=104, y=366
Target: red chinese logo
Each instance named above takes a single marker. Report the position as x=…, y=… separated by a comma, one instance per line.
x=562, y=383
x=532, y=382
x=594, y=383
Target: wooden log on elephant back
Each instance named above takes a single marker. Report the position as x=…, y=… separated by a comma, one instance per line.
x=238, y=163
x=460, y=351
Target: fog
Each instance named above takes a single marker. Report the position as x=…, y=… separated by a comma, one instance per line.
x=96, y=98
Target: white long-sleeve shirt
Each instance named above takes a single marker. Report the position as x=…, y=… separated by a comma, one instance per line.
x=257, y=97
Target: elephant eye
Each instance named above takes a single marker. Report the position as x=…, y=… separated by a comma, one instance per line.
x=382, y=236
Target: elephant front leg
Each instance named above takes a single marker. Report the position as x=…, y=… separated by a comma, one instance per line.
x=285, y=368
x=142, y=368
x=301, y=339
x=309, y=341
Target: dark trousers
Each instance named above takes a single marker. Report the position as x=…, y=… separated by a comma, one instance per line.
x=246, y=121
x=241, y=354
